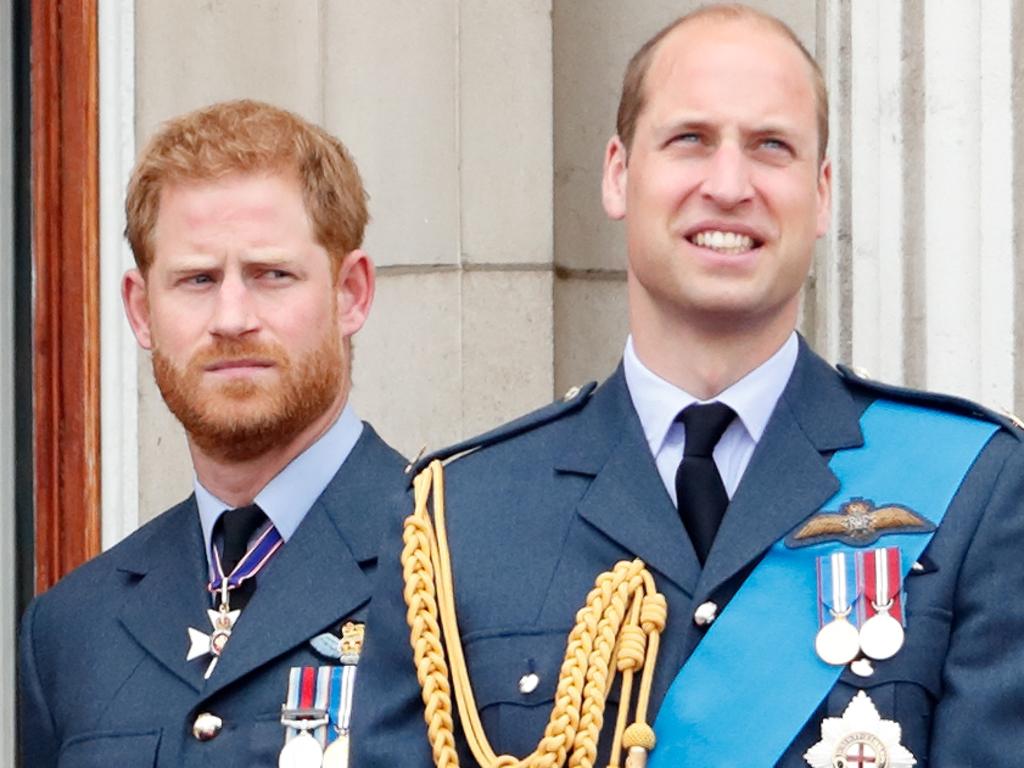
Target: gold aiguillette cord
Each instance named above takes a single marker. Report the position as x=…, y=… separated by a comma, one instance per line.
x=617, y=630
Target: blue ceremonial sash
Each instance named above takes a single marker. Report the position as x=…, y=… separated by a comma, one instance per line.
x=754, y=680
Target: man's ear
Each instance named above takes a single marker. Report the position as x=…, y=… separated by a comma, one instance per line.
x=354, y=288
x=613, y=182
x=824, y=197
x=136, y=306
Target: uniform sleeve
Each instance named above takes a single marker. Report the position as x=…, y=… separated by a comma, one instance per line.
x=388, y=729
x=39, y=742
x=978, y=718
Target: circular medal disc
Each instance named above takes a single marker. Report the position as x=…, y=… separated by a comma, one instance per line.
x=303, y=751
x=336, y=754
x=881, y=637
x=837, y=642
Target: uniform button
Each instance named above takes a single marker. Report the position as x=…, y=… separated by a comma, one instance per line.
x=206, y=726
x=862, y=668
x=705, y=614
x=528, y=683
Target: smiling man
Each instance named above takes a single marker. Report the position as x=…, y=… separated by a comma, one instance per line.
x=181, y=645
x=835, y=557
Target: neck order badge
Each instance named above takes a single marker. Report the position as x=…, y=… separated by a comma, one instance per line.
x=694, y=725
x=223, y=619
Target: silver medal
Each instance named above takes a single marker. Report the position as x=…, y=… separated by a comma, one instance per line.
x=881, y=636
x=838, y=642
x=303, y=751
x=336, y=754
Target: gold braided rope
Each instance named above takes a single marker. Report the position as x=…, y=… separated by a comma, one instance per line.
x=618, y=630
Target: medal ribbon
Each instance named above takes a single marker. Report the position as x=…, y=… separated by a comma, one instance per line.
x=343, y=680
x=696, y=724
x=302, y=686
x=883, y=581
x=323, y=692
x=837, y=586
x=328, y=689
x=258, y=555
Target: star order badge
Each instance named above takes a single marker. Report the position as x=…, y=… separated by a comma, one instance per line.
x=859, y=739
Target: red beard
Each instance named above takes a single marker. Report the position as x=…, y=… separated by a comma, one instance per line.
x=241, y=419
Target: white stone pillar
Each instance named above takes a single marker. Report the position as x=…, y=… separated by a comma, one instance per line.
x=119, y=390
x=923, y=98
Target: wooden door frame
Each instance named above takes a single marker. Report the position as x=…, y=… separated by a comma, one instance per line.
x=66, y=319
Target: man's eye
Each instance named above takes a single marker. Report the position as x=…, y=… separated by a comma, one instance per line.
x=775, y=145
x=688, y=138
x=201, y=279
x=277, y=274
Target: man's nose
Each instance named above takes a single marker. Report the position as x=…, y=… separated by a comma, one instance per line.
x=727, y=182
x=235, y=312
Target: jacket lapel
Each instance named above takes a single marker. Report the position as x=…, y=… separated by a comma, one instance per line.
x=170, y=593
x=317, y=579
x=788, y=477
x=626, y=500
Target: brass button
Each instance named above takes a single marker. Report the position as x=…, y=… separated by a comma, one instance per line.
x=570, y=394
x=528, y=683
x=705, y=614
x=206, y=726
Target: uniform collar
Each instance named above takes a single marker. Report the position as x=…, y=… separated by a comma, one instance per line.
x=753, y=398
x=288, y=496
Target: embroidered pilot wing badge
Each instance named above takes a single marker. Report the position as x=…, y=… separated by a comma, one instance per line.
x=858, y=739
x=346, y=648
x=859, y=523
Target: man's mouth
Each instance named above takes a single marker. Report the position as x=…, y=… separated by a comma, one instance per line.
x=240, y=364
x=724, y=242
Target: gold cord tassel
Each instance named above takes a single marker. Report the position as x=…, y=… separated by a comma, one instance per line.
x=617, y=631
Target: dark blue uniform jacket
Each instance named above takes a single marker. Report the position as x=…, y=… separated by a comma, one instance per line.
x=543, y=505
x=103, y=677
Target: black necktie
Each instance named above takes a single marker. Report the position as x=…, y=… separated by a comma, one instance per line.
x=237, y=526
x=699, y=490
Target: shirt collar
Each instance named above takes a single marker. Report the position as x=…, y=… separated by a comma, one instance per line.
x=753, y=398
x=289, y=495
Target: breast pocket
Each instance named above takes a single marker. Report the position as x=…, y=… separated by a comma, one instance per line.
x=514, y=678
x=103, y=750
x=906, y=687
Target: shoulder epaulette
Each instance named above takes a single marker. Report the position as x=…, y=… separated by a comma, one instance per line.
x=571, y=401
x=953, y=403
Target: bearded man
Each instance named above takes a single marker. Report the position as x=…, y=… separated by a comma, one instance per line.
x=227, y=630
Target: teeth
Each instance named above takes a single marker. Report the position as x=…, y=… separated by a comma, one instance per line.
x=724, y=241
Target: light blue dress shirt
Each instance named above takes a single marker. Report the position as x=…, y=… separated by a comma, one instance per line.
x=289, y=495
x=753, y=398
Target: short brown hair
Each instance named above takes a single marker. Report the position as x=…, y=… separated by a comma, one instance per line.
x=247, y=136
x=633, y=99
